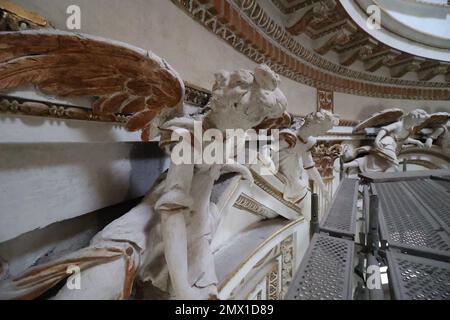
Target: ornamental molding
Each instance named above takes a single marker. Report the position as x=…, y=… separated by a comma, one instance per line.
x=248, y=204
x=291, y=9
x=325, y=154
x=287, y=264
x=19, y=106
x=256, y=14
x=194, y=96
x=325, y=100
x=238, y=23
x=275, y=284
x=273, y=281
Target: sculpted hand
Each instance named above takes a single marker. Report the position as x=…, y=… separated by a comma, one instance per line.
x=241, y=169
x=378, y=144
x=429, y=143
x=419, y=144
x=267, y=162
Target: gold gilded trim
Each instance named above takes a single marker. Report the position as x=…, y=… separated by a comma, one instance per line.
x=23, y=13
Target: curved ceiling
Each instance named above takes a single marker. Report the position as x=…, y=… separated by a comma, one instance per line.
x=412, y=43
x=414, y=27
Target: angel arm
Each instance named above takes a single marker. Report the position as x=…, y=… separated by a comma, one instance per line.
x=172, y=206
x=433, y=136
x=238, y=168
x=383, y=133
x=264, y=156
x=313, y=173
x=415, y=142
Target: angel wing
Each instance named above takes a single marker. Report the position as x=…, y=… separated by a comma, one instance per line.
x=125, y=79
x=275, y=123
x=435, y=120
x=379, y=119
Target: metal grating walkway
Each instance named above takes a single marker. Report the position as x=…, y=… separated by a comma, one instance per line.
x=415, y=278
x=340, y=219
x=326, y=271
x=407, y=221
x=434, y=197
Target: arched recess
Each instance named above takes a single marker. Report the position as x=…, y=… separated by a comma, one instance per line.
x=420, y=159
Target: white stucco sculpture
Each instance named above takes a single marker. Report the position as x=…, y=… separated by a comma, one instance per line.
x=395, y=132
x=296, y=144
x=241, y=100
x=165, y=240
x=438, y=125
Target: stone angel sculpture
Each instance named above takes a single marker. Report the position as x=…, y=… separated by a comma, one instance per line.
x=395, y=132
x=438, y=125
x=295, y=157
x=165, y=240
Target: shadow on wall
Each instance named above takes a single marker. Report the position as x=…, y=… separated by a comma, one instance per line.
x=60, y=238
x=148, y=162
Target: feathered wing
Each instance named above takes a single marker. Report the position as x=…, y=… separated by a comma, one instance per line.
x=125, y=79
x=435, y=120
x=379, y=119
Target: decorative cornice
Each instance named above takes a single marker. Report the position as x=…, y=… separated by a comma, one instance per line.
x=262, y=20
x=325, y=100
x=275, y=47
x=288, y=10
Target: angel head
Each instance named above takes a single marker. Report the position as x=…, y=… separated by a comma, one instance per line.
x=318, y=123
x=266, y=78
x=222, y=78
x=241, y=78
x=244, y=99
x=414, y=118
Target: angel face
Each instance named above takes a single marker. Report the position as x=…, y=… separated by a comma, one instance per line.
x=248, y=99
x=241, y=78
x=221, y=80
x=414, y=118
x=318, y=123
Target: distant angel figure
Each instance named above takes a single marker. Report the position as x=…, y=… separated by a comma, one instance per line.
x=396, y=130
x=439, y=124
x=296, y=144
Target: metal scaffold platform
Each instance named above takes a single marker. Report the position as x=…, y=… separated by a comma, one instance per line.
x=406, y=228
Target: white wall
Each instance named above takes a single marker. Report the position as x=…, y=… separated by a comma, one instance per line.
x=42, y=183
